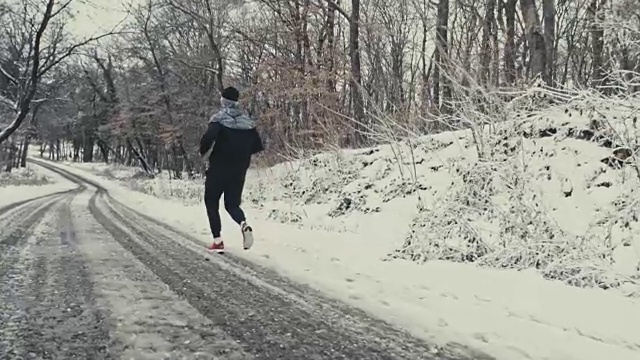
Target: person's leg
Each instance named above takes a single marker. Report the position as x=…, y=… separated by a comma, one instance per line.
x=212, y=192
x=233, y=197
x=232, y=201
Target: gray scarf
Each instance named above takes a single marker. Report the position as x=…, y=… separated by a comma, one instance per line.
x=232, y=117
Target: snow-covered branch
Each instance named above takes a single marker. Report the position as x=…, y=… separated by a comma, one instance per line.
x=11, y=79
x=47, y=50
x=11, y=104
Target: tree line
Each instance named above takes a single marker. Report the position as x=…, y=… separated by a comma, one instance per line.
x=315, y=73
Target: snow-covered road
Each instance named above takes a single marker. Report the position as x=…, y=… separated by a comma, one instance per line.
x=84, y=276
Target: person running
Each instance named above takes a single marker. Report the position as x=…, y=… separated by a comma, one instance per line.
x=229, y=142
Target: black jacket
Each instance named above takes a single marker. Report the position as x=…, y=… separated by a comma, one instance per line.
x=232, y=148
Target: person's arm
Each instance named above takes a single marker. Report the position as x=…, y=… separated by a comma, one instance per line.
x=257, y=143
x=206, y=142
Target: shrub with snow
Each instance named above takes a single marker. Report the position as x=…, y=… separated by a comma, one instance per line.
x=23, y=176
x=510, y=209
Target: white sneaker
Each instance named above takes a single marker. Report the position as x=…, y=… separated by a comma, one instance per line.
x=247, y=236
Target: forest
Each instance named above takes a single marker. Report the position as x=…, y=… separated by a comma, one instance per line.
x=317, y=74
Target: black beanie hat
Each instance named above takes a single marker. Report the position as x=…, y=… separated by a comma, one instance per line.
x=231, y=93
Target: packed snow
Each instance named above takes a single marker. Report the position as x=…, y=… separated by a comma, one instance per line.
x=28, y=183
x=530, y=253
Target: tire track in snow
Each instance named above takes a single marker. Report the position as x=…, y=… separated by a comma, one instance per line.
x=339, y=314
x=146, y=319
x=271, y=317
x=63, y=320
x=271, y=321
x=13, y=245
x=7, y=208
x=17, y=226
x=150, y=321
x=46, y=302
x=268, y=327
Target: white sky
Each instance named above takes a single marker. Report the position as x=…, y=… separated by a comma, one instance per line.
x=94, y=16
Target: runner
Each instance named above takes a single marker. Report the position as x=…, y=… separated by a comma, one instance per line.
x=229, y=142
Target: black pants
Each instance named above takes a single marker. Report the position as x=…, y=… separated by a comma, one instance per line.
x=229, y=182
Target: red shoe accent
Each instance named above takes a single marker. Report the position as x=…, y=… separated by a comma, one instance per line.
x=216, y=247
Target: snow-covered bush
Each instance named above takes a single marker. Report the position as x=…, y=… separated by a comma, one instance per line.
x=23, y=176
x=493, y=215
x=497, y=211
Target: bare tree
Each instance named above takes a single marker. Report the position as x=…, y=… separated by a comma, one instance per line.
x=209, y=16
x=303, y=66
x=34, y=44
x=357, y=97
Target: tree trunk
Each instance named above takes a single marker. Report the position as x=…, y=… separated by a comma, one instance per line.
x=487, y=36
x=535, y=37
x=596, y=13
x=138, y=155
x=104, y=150
x=11, y=156
x=440, y=57
x=25, y=151
x=58, y=150
x=87, y=149
x=549, y=15
x=510, y=43
x=356, y=73
x=330, y=53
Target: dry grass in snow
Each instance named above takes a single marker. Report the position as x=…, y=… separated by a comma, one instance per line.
x=23, y=176
x=549, y=191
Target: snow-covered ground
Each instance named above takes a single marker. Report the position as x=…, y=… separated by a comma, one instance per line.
x=28, y=183
x=370, y=227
